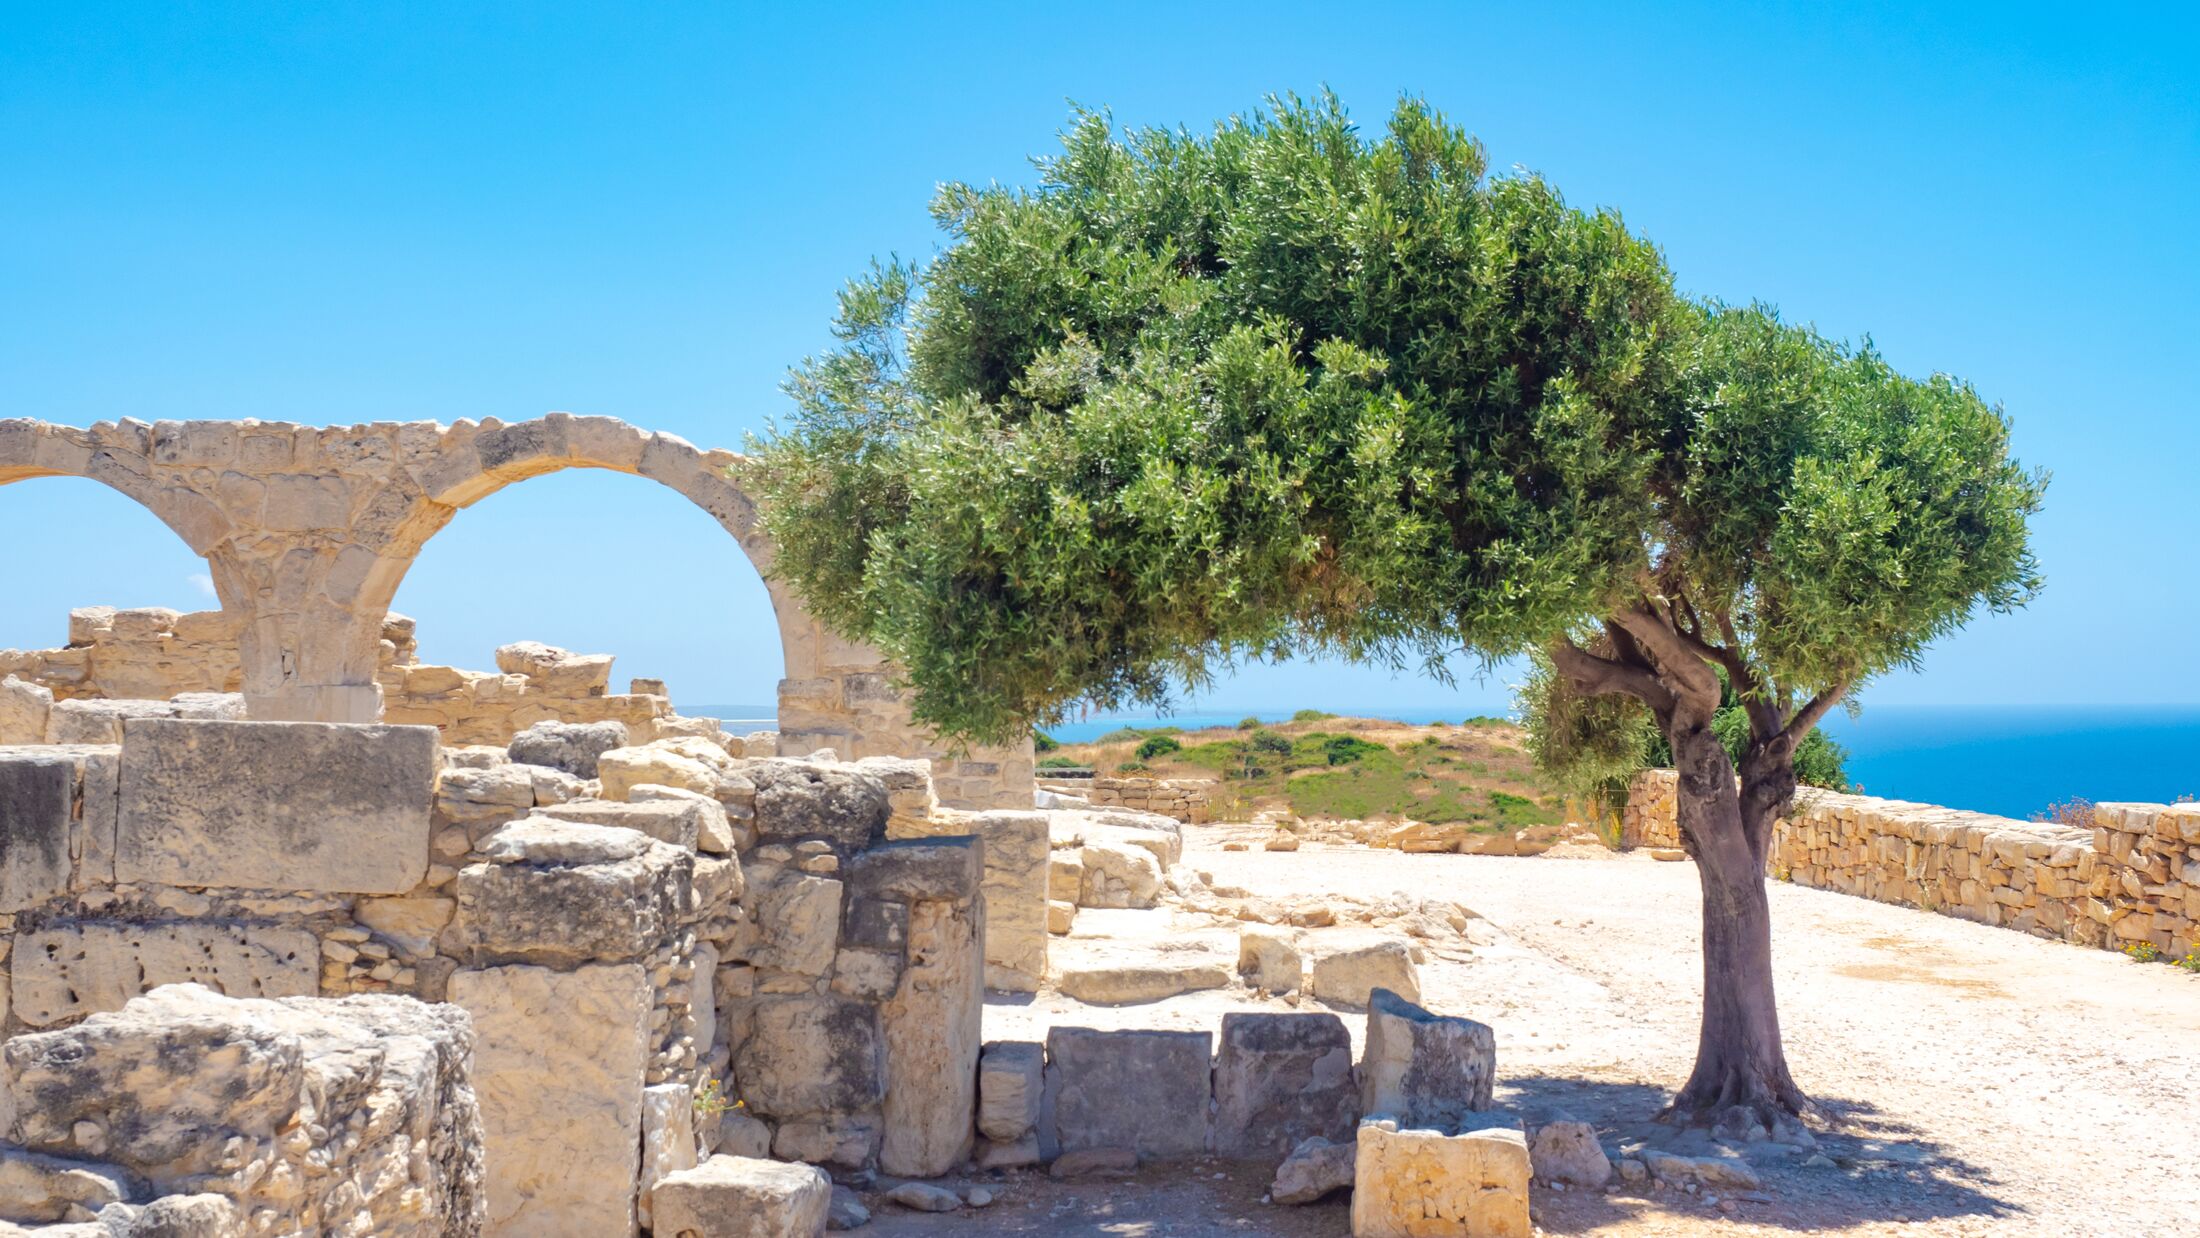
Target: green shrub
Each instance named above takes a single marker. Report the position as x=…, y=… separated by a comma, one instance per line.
x=1345, y=749
x=1121, y=735
x=1311, y=715
x=1131, y=767
x=1043, y=742
x=1249, y=722
x=1061, y=763
x=1156, y=745
x=1269, y=741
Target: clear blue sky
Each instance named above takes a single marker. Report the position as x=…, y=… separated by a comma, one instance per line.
x=347, y=212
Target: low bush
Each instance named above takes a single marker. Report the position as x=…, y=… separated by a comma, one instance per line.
x=1312, y=715
x=1158, y=745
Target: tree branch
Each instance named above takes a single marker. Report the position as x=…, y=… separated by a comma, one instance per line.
x=1692, y=680
x=1812, y=710
x=1599, y=676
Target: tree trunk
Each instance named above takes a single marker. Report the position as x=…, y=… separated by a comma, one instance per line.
x=1739, y=1057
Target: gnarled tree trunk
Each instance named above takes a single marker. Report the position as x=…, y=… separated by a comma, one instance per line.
x=1740, y=1060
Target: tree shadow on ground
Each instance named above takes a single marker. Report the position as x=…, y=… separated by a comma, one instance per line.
x=1883, y=1170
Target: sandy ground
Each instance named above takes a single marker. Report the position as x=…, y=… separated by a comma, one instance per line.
x=1979, y=1082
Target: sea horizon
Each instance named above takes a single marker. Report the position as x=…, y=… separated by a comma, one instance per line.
x=2009, y=760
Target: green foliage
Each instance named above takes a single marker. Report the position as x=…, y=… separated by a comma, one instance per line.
x=1269, y=742
x=2144, y=951
x=1043, y=742
x=1247, y=723
x=1122, y=735
x=1311, y=715
x=1285, y=386
x=1061, y=763
x=1157, y=745
x=1131, y=767
x=1345, y=749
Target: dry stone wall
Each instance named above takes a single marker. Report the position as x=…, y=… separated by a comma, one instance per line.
x=308, y=533
x=2130, y=876
x=1190, y=800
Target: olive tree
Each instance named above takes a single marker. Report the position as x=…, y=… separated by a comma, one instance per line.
x=1282, y=387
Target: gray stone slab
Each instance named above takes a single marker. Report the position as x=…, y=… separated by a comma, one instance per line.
x=1422, y=1068
x=1146, y=1091
x=276, y=805
x=1281, y=1079
x=37, y=814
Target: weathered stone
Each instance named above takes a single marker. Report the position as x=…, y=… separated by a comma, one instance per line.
x=410, y=922
x=1269, y=959
x=797, y=919
x=557, y=670
x=1094, y=1163
x=1567, y=1151
x=1280, y=1079
x=849, y=1141
x=846, y=1211
x=620, y=770
x=1061, y=917
x=1110, y=979
x=1015, y=882
x=668, y=821
x=797, y=800
x=1426, y=1184
x=25, y=709
x=924, y=1197
x=558, y=1065
x=1119, y=874
x=1721, y=1171
x=916, y=870
x=1066, y=874
x=1424, y=1069
x=38, y=798
x=355, y=1111
x=1315, y=1168
x=668, y=1139
x=1016, y=1155
x=1139, y=1090
x=65, y=971
x=1011, y=1080
x=1351, y=967
x=932, y=1030
x=742, y=1197
x=807, y=1055
x=570, y=746
x=714, y=831
x=741, y=1134
x=276, y=806
x=541, y=899
x=34, y=1187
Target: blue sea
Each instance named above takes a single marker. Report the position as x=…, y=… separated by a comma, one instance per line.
x=2014, y=760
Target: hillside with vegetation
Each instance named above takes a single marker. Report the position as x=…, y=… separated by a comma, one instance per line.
x=1319, y=766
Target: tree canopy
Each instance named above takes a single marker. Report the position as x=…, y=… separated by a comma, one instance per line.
x=1285, y=386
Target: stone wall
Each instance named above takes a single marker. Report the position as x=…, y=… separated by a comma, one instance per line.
x=629, y=926
x=1651, y=818
x=308, y=532
x=2132, y=875
x=1189, y=800
x=185, y=1112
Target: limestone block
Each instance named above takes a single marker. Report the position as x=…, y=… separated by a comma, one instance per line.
x=623, y=769
x=412, y=923
x=34, y=1187
x=1144, y=1091
x=38, y=802
x=379, y=1129
x=1350, y=967
x=25, y=710
x=560, y=892
x=99, y=721
x=1426, y=1184
x=1011, y=1078
x=478, y=794
x=276, y=805
x=742, y=1197
x=1567, y=1151
x=714, y=831
x=920, y=870
x=66, y=971
x=1015, y=882
x=797, y=922
x=932, y=1030
x=668, y=1139
x=1268, y=958
x=806, y=1055
x=1061, y=917
x=570, y=746
x=800, y=800
x=1280, y=1079
x=668, y=821
x=1119, y=874
x=1315, y=1168
x=1112, y=978
x=558, y=1065
x=849, y=1141
x=1066, y=874
x=557, y=671
x=1422, y=1068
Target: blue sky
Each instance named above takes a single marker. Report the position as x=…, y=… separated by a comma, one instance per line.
x=348, y=212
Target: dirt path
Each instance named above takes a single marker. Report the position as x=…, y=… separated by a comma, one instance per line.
x=1983, y=1082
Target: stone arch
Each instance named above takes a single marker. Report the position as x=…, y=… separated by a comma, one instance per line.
x=118, y=455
